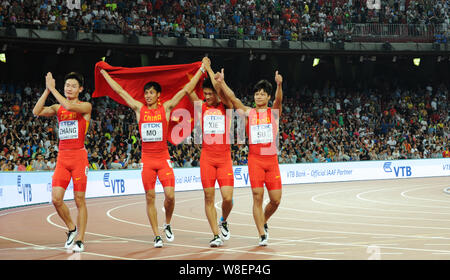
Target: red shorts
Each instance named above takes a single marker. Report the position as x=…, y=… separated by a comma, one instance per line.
x=216, y=167
x=154, y=166
x=71, y=164
x=264, y=170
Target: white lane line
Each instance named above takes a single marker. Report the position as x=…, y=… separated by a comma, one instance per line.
x=206, y=233
x=43, y=247
x=332, y=243
x=421, y=198
x=315, y=199
x=329, y=253
x=360, y=196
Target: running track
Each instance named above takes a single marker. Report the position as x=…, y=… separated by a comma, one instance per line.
x=384, y=219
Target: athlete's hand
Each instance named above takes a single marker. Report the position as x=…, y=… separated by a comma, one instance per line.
x=50, y=81
x=220, y=76
x=278, y=78
x=206, y=63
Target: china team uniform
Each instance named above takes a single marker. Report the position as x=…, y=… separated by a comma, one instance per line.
x=263, y=165
x=153, y=128
x=215, y=158
x=72, y=161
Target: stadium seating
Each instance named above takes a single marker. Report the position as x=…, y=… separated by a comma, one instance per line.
x=318, y=125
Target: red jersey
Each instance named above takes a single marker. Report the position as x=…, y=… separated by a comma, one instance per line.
x=153, y=128
x=262, y=132
x=72, y=129
x=215, y=129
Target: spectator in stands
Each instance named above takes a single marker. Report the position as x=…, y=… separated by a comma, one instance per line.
x=39, y=164
x=268, y=20
x=322, y=125
x=51, y=164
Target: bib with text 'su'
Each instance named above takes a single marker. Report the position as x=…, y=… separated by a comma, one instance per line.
x=262, y=129
x=261, y=133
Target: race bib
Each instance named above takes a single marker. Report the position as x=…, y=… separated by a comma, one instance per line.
x=152, y=132
x=68, y=130
x=214, y=124
x=261, y=133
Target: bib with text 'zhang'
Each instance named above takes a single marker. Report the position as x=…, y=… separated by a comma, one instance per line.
x=72, y=128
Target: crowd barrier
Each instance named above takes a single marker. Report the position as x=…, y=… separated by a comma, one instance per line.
x=27, y=188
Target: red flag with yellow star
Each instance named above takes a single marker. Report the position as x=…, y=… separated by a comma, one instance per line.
x=172, y=79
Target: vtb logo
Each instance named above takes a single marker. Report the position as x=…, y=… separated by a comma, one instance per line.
x=239, y=176
x=399, y=171
x=24, y=189
x=117, y=185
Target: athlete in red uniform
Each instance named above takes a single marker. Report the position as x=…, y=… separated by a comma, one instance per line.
x=72, y=162
x=262, y=131
x=153, y=121
x=215, y=159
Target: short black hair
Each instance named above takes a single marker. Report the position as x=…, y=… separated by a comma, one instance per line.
x=208, y=84
x=154, y=85
x=75, y=75
x=265, y=85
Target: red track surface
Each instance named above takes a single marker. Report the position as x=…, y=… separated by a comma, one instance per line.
x=386, y=219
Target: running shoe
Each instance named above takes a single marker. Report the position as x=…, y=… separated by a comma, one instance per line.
x=263, y=240
x=70, y=237
x=216, y=241
x=169, y=234
x=224, y=230
x=78, y=247
x=158, y=242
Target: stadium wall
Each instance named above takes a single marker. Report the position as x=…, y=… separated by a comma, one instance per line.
x=28, y=188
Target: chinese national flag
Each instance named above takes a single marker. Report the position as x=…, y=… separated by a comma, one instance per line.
x=172, y=79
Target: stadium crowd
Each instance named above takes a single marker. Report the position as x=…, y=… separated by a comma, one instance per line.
x=250, y=19
x=317, y=125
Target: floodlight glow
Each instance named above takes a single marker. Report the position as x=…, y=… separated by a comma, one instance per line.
x=3, y=57
x=316, y=62
x=416, y=61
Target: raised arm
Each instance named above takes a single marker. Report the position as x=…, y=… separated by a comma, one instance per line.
x=217, y=87
x=82, y=107
x=44, y=111
x=277, y=103
x=194, y=97
x=237, y=103
x=187, y=89
x=131, y=102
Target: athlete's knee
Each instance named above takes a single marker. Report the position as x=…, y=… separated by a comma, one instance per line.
x=275, y=202
x=209, y=196
x=57, y=201
x=227, y=199
x=169, y=198
x=80, y=199
x=258, y=196
x=150, y=197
